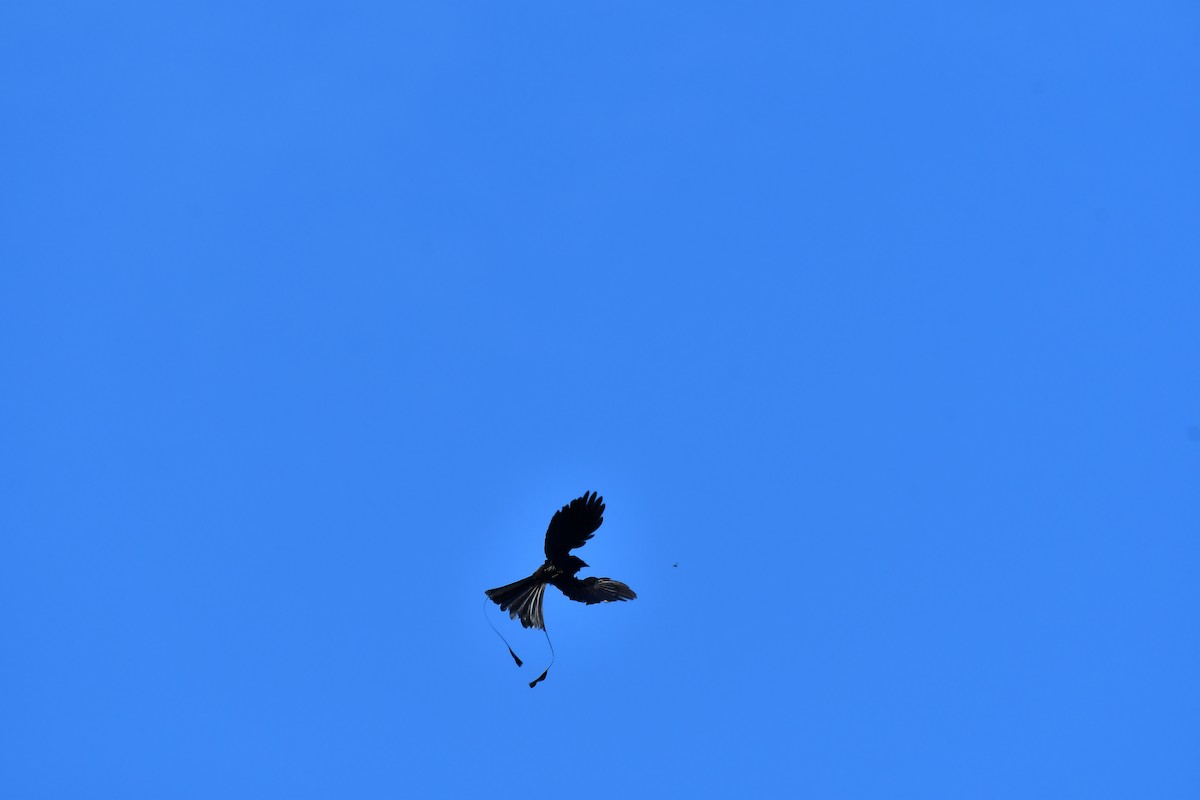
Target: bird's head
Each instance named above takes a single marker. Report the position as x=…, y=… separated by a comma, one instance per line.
x=573, y=564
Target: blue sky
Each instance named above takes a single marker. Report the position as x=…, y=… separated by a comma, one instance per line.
x=880, y=321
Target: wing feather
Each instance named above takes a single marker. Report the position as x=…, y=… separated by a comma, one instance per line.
x=573, y=524
x=595, y=590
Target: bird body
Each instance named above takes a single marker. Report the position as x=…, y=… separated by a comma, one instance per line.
x=571, y=527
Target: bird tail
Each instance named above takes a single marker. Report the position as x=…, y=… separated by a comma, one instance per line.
x=522, y=600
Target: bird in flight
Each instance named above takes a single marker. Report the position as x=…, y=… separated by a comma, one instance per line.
x=570, y=527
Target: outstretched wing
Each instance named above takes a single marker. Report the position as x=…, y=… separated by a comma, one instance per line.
x=573, y=524
x=595, y=590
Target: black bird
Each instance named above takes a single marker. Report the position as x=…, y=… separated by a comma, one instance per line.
x=570, y=527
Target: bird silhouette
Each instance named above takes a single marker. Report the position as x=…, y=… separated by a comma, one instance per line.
x=570, y=527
